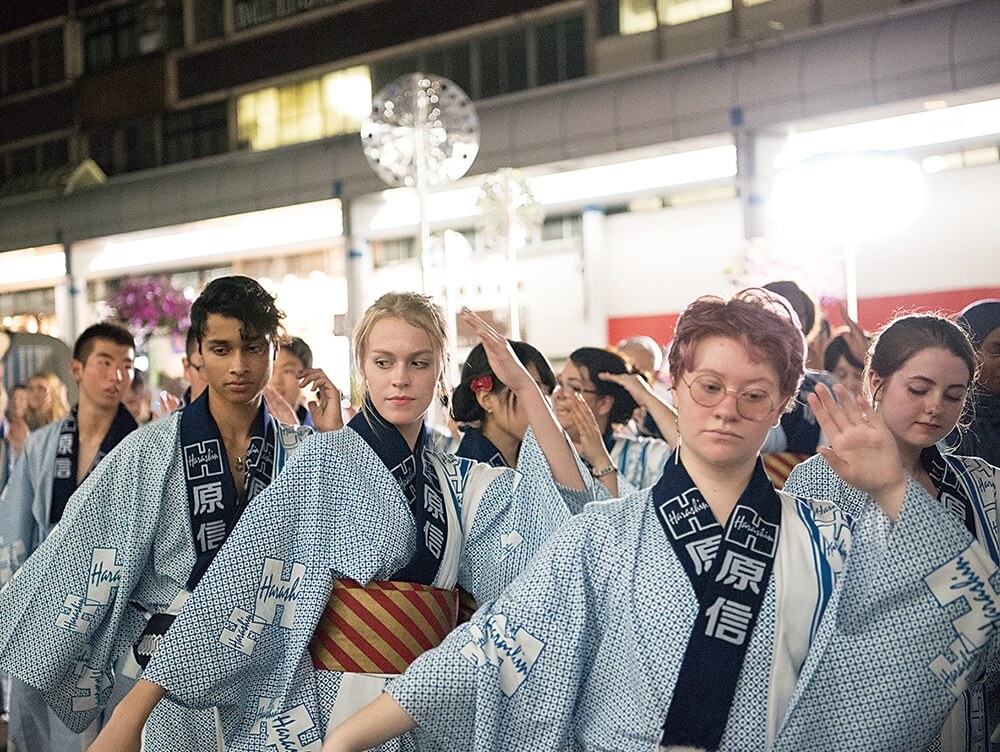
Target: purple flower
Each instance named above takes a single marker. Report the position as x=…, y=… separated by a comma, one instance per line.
x=151, y=305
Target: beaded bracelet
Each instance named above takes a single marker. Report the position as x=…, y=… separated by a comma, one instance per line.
x=604, y=472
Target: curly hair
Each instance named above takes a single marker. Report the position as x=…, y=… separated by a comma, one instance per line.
x=762, y=321
x=243, y=299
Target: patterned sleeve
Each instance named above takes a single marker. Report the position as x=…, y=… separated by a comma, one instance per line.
x=65, y=617
x=815, y=479
x=509, y=679
x=243, y=635
x=517, y=513
x=18, y=532
x=916, y=617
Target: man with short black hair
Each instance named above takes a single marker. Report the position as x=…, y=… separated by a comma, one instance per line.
x=192, y=363
x=138, y=536
x=56, y=460
x=294, y=359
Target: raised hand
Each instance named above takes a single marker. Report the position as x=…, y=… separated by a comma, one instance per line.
x=279, y=408
x=168, y=403
x=325, y=409
x=503, y=361
x=855, y=336
x=663, y=413
x=862, y=451
x=590, y=443
x=543, y=422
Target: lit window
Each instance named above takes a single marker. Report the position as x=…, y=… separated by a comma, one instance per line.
x=673, y=12
x=335, y=104
x=636, y=16
x=347, y=99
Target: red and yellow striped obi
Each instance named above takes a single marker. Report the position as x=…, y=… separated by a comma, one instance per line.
x=382, y=627
x=779, y=464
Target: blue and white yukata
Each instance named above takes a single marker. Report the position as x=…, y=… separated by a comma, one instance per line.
x=640, y=461
x=124, y=549
x=851, y=650
x=968, y=489
x=337, y=512
x=29, y=510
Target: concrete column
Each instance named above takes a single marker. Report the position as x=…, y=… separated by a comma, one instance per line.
x=595, y=308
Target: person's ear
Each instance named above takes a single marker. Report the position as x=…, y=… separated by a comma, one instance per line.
x=604, y=405
x=76, y=370
x=874, y=383
x=486, y=400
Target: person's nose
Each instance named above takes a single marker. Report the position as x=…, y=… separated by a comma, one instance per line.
x=400, y=375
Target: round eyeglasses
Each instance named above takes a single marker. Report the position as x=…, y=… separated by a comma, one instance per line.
x=709, y=391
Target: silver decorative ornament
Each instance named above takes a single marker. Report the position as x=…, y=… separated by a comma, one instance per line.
x=423, y=132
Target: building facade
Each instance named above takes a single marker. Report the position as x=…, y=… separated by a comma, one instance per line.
x=205, y=136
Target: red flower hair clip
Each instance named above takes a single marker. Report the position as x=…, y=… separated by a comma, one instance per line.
x=482, y=384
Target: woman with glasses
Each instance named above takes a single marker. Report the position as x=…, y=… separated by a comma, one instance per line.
x=597, y=393
x=919, y=371
x=711, y=611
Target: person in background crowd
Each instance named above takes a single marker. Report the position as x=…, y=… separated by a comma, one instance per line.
x=46, y=399
x=598, y=392
x=918, y=375
x=137, y=537
x=138, y=399
x=6, y=459
x=56, y=460
x=798, y=434
x=712, y=612
x=491, y=422
x=982, y=436
x=365, y=513
x=840, y=361
x=17, y=418
x=644, y=353
x=646, y=357
x=294, y=358
x=193, y=365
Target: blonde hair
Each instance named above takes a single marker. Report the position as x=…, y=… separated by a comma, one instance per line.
x=57, y=406
x=416, y=310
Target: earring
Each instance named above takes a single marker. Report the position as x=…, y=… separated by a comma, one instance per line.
x=677, y=451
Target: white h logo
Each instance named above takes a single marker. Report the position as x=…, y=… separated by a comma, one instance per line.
x=275, y=591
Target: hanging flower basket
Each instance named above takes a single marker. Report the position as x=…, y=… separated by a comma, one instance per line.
x=150, y=305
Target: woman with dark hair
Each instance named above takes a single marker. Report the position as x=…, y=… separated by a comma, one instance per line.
x=919, y=372
x=493, y=424
x=596, y=394
x=840, y=361
x=712, y=612
x=982, y=436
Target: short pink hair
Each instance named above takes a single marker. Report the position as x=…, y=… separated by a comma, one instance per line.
x=762, y=321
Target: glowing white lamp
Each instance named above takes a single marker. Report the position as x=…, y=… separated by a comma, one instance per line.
x=849, y=199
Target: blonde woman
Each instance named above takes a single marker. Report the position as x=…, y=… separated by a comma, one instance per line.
x=344, y=568
x=47, y=400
